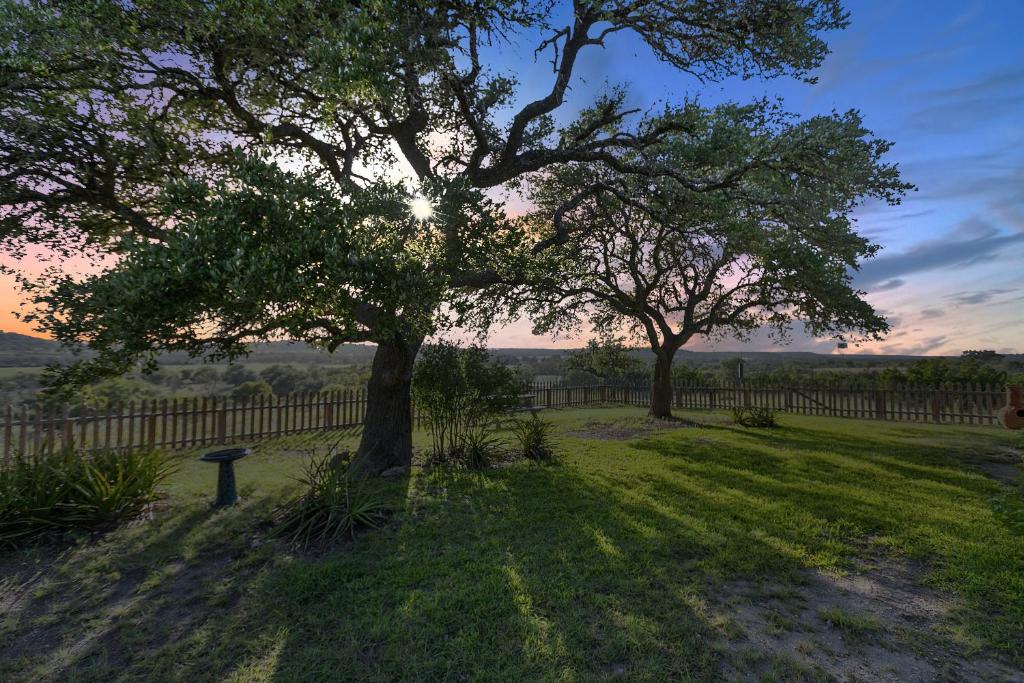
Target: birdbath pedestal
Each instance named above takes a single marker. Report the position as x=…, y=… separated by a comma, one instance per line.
x=227, y=494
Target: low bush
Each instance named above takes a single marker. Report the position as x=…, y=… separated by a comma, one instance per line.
x=252, y=390
x=334, y=504
x=754, y=416
x=60, y=490
x=461, y=393
x=534, y=439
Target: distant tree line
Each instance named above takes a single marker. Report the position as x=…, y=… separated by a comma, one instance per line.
x=240, y=382
x=612, y=361
x=604, y=361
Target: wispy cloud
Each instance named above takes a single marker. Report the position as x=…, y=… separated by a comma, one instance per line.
x=960, y=248
x=891, y=284
x=926, y=345
x=977, y=297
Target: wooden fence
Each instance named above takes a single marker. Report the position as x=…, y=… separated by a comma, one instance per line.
x=179, y=423
x=975, y=405
x=196, y=422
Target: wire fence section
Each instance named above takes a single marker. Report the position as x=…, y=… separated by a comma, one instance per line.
x=193, y=422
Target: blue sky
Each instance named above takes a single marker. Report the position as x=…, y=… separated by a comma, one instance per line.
x=945, y=82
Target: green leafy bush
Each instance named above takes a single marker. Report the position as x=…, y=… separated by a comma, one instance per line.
x=334, y=504
x=534, y=439
x=461, y=393
x=754, y=416
x=61, y=490
x=248, y=391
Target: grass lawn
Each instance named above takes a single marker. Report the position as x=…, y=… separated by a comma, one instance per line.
x=822, y=549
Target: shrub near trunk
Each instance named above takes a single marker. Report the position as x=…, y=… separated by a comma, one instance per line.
x=460, y=393
x=335, y=503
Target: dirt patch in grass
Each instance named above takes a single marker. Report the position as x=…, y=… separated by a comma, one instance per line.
x=877, y=623
x=1005, y=465
x=627, y=428
x=1003, y=472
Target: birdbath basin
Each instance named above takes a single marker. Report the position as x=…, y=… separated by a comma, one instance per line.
x=227, y=494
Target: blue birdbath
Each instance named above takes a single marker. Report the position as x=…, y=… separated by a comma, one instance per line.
x=227, y=494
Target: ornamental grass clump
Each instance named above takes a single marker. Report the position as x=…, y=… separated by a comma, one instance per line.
x=57, y=491
x=335, y=503
x=534, y=439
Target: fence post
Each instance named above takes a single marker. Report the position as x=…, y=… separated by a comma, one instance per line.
x=151, y=427
x=879, y=404
x=66, y=434
x=8, y=431
x=222, y=420
x=936, y=406
x=163, y=422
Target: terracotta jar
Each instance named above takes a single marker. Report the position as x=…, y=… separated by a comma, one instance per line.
x=1012, y=414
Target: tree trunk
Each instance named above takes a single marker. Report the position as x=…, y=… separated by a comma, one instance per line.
x=387, y=427
x=661, y=385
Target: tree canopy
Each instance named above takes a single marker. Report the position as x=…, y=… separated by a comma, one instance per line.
x=157, y=131
x=667, y=263
x=606, y=359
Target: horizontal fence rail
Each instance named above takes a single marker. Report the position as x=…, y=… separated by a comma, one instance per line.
x=179, y=423
x=194, y=422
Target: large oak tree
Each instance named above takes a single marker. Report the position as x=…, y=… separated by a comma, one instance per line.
x=150, y=131
x=666, y=263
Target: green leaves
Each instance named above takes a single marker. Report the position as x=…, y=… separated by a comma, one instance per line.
x=269, y=254
x=460, y=392
x=737, y=219
x=64, y=490
x=333, y=505
x=716, y=38
x=607, y=359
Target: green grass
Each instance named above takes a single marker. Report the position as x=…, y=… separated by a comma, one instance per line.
x=604, y=565
x=856, y=626
x=6, y=372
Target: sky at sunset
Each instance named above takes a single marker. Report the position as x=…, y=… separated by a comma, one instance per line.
x=945, y=82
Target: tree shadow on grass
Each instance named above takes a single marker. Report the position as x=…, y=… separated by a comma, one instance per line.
x=913, y=453
x=518, y=573
x=819, y=492
x=101, y=605
x=543, y=572
x=115, y=605
x=521, y=573
x=823, y=496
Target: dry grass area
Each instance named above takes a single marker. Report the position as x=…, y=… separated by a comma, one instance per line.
x=879, y=622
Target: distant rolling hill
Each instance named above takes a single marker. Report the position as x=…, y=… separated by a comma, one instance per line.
x=19, y=350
